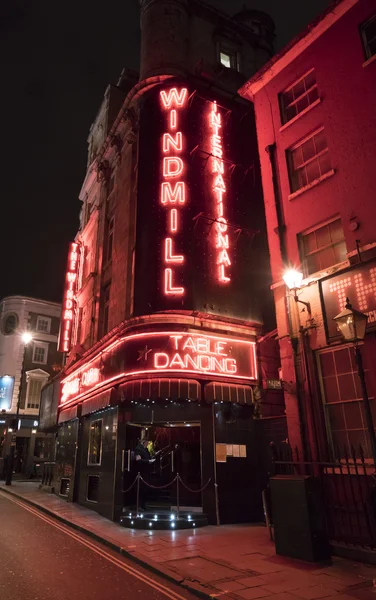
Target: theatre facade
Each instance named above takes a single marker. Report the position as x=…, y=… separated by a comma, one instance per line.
x=166, y=300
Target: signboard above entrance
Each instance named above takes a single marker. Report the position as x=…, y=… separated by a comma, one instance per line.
x=159, y=353
x=358, y=284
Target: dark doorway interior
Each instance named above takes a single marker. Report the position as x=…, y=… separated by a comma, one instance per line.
x=175, y=449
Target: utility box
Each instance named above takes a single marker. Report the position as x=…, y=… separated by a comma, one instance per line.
x=299, y=518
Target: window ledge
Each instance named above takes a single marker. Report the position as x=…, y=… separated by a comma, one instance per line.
x=312, y=184
x=301, y=114
x=369, y=61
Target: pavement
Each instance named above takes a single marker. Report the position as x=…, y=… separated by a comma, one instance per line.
x=235, y=562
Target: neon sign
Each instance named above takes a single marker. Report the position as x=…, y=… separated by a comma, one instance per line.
x=219, y=189
x=359, y=285
x=167, y=352
x=173, y=194
x=86, y=379
x=66, y=325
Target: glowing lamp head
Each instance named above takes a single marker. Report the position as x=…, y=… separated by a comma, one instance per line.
x=26, y=337
x=351, y=323
x=293, y=279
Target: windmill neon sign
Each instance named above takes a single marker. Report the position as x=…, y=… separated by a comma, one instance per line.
x=173, y=187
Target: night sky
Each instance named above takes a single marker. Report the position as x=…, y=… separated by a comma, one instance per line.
x=56, y=60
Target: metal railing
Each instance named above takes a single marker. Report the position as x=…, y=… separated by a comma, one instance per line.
x=176, y=480
x=348, y=485
x=48, y=473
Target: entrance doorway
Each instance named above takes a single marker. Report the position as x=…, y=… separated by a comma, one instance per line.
x=175, y=449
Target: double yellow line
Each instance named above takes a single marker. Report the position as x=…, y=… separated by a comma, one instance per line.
x=106, y=555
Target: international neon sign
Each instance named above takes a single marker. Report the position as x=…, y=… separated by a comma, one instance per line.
x=222, y=245
x=165, y=352
x=173, y=187
x=66, y=325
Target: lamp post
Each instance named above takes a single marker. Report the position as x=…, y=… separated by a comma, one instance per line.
x=26, y=338
x=352, y=323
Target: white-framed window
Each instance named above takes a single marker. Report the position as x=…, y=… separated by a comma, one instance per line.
x=308, y=160
x=322, y=246
x=40, y=353
x=368, y=33
x=43, y=324
x=35, y=381
x=298, y=96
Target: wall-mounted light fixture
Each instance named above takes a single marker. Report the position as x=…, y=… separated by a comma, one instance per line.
x=293, y=279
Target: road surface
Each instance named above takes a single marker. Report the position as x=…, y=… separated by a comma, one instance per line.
x=42, y=559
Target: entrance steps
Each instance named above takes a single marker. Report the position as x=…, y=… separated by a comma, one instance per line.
x=162, y=519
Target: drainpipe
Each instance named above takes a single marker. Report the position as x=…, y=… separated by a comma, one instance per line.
x=281, y=227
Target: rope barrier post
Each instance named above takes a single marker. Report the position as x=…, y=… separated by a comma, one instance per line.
x=138, y=492
x=216, y=503
x=177, y=494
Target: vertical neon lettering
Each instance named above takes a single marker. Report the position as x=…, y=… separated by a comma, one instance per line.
x=222, y=244
x=173, y=100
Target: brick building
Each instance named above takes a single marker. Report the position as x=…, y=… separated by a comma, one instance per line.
x=167, y=282
x=23, y=374
x=316, y=126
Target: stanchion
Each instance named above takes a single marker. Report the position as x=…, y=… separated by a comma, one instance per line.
x=138, y=492
x=216, y=503
x=177, y=494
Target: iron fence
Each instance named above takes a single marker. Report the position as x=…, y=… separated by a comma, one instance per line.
x=48, y=473
x=348, y=485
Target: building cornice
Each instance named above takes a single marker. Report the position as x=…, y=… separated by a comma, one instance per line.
x=300, y=43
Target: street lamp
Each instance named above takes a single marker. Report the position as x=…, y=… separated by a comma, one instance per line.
x=293, y=279
x=352, y=323
x=26, y=338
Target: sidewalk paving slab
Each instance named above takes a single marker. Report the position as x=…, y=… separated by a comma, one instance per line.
x=231, y=562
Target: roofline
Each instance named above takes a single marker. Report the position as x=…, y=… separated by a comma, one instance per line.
x=30, y=299
x=292, y=50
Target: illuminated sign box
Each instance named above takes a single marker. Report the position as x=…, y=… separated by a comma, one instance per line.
x=168, y=352
x=6, y=392
x=359, y=285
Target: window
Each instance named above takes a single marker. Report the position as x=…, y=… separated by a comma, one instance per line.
x=368, y=33
x=43, y=324
x=95, y=443
x=228, y=59
x=106, y=308
x=308, y=161
x=342, y=396
x=322, y=247
x=34, y=387
x=298, y=96
x=109, y=240
x=9, y=324
x=40, y=352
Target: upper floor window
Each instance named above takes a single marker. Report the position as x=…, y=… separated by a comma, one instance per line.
x=9, y=323
x=43, y=324
x=40, y=353
x=298, y=96
x=322, y=247
x=33, y=391
x=229, y=58
x=368, y=32
x=308, y=160
x=106, y=308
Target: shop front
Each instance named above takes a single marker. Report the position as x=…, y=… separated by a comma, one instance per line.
x=185, y=397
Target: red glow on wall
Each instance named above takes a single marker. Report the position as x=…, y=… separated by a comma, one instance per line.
x=167, y=352
x=222, y=244
x=67, y=316
x=173, y=101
